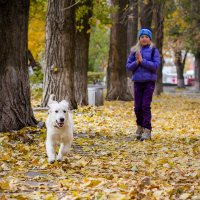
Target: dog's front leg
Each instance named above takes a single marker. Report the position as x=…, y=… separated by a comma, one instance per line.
x=64, y=148
x=60, y=153
x=50, y=147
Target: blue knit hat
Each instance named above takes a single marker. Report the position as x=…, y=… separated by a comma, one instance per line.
x=145, y=31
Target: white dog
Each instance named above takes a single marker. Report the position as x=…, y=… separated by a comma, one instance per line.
x=59, y=125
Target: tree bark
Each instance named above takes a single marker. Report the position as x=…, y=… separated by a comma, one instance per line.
x=194, y=18
x=146, y=13
x=60, y=52
x=15, y=104
x=159, y=26
x=116, y=72
x=132, y=29
x=180, y=63
x=81, y=58
x=197, y=72
x=132, y=36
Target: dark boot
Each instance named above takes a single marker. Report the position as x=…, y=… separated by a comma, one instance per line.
x=146, y=134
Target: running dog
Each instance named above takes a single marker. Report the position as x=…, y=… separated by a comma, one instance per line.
x=59, y=126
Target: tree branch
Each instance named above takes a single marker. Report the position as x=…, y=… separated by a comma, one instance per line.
x=71, y=6
x=184, y=59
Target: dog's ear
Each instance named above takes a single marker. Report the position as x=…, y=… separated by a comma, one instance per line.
x=51, y=105
x=51, y=100
x=65, y=103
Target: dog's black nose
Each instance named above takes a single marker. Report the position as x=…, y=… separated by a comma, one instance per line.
x=62, y=119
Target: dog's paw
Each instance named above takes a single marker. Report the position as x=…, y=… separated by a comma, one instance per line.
x=51, y=160
x=59, y=158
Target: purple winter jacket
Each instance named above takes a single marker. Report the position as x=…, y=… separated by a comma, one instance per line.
x=147, y=69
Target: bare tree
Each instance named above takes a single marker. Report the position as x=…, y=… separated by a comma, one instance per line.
x=116, y=72
x=146, y=13
x=179, y=61
x=132, y=31
x=60, y=52
x=15, y=104
x=159, y=25
x=197, y=71
x=81, y=58
x=195, y=25
x=132, y=24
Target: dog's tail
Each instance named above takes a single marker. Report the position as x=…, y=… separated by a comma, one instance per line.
x=51, y=99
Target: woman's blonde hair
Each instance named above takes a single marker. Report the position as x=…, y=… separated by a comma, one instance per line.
x=138, y=47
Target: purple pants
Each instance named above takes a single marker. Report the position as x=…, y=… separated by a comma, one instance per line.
x=143, y=92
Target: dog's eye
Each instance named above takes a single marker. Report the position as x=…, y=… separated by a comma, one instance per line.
x=64, y=111
x=56, y=111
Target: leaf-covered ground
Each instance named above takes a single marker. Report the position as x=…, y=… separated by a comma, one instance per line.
x=105, y=161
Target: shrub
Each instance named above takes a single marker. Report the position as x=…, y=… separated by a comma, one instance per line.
x=37, y=77
x=95, y=77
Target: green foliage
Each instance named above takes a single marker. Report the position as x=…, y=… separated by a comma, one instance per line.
x=174, y=23
x=81, y=12
x=176, y=26
x=99, y=48
x=100, y=23
x=182, y=24
x=37, y=77
x=100, y=35
x=101, y=12
x=95, y=76
x=38, y=6
x=36, y=95
x=191, y=9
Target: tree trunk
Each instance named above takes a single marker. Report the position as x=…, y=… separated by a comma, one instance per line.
x=146, y=13
x=132, y=36
x=197, y=72
x=159, y=26
x=179, y=67
x=116, y=72
x=132, y=25
x=194, y=18
x=15, y=104
x=60, y=52
x=81, y=58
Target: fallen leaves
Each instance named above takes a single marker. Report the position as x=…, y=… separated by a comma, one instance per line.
x=106, y=162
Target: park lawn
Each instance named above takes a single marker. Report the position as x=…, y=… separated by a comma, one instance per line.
x=105, y=161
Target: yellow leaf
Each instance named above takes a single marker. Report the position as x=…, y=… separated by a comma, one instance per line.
x=4, y=185
x=184, y=196
x=91, y=182
x=118, y=196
